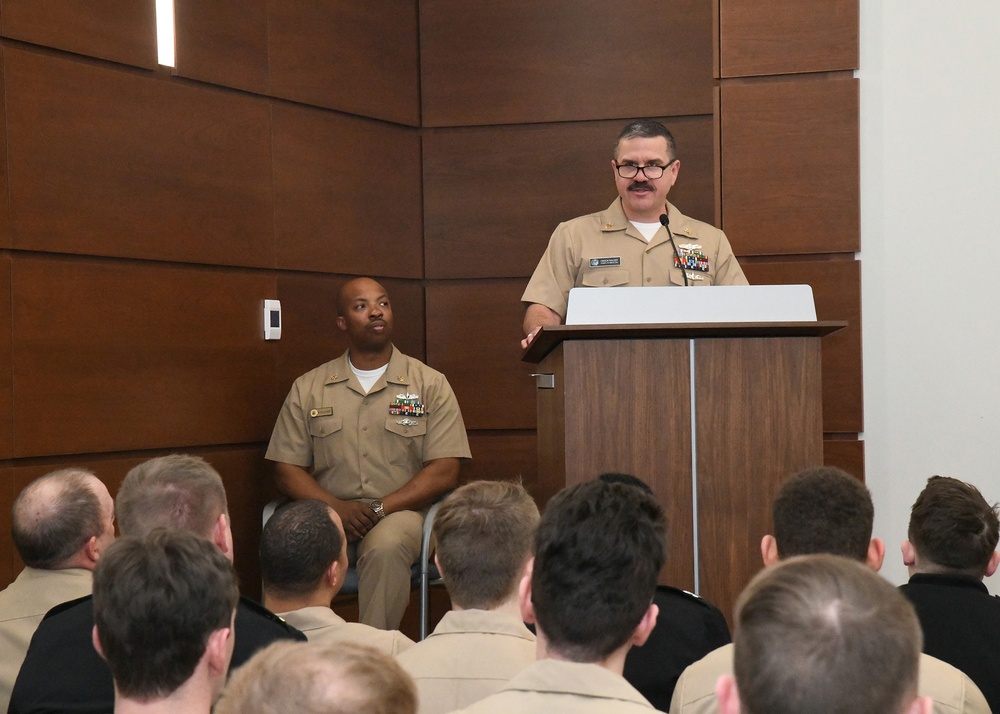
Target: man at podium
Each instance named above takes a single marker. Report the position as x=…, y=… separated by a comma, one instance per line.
x=639, y=240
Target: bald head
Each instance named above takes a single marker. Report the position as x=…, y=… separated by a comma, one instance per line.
x=63, y=519
x=365, y=315
x=352, y=289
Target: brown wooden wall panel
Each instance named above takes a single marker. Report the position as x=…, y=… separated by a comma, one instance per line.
x=4, y=193
x=117, y=30
x=346, y=194
x=836, y=288
x=118, y=356
x=761, y=37
x=847, y=454
x=473, y=337
x=493, y=195
x=222, y=42
x=6, y=372
x=109, y=162
x=790, y=166
x=544, y=61
x=356, y=57
x=309, y=333
x=244, y=473
x=503, y=456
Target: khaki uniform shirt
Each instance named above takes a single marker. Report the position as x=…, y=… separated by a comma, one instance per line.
x=470, y=655
x=556, y=687
x=355, y=448
x=321, y=624
x=23, y=604
x=951, y=690
x=605, y=250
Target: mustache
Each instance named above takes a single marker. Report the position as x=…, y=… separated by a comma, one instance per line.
x=637, y=185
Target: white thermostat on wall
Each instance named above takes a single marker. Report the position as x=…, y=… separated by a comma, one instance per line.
x=272, y=319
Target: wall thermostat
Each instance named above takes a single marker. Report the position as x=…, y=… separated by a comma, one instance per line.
x=272, y=319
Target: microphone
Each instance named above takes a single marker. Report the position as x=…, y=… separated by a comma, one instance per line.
x=665, y=222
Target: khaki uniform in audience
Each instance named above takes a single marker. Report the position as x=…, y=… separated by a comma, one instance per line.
x=952, y=691
x=321, y=624
x=470, y=655
x=23, y=604
x=557, y=687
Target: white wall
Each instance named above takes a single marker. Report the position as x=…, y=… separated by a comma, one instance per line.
x=930, y=236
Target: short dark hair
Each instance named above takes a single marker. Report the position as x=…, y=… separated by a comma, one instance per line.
x=483, y=535
x=298, y=545
x=176, y=491
x=627, y=479
x=823, y=510
x=156, y=601
x=599, y=549
x=54, y=516
x=824, y=634
x=646, y=129
x=327, y=677
x=953, y=527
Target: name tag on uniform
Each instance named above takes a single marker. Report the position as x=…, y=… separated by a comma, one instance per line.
x=325, y=411
x=605, y=262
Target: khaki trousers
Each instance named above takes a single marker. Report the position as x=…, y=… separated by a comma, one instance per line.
x=383, y=559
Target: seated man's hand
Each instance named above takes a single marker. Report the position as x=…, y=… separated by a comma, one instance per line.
x=358, y=519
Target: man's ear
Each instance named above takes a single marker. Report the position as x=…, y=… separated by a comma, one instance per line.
x=921, y=705
x=876, y=554
x=91, y=552
x=645, y=626
x=217, y=652
x=437, y=562
x=341, y=324
x=524, y=594
x=728, y=696
x=991, y=567
x=909, y=554
x=769, y=550
x=220, y=536
x=97, y=642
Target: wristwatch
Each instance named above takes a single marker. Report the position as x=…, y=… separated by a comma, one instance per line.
x=377, y=508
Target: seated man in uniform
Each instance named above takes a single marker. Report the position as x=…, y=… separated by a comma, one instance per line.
x=163, y=620
x=303, y=559
x=824, y=510
x=640, y=240
x=599, y=549
x=320, y=678
x=952, y=544
x=483, y=535
x=378, y=436
x=61, y=524
x=824, y=635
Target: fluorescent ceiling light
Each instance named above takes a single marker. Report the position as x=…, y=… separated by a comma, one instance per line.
x=165, y=32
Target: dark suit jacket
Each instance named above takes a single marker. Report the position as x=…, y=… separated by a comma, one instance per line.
x=62, y=671
x=687, y=629
x=961, y=623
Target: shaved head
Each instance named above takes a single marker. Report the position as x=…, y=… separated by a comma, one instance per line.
x=353, y=288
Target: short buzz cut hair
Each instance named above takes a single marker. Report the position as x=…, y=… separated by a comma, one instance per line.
x=176, y=491
x=297, y=546
x=827, y=635
x=645, y=129
x=54, y=516
x=599, y=549
x=157, y=599
x=953, y=527
x=319, y=678
x=823, y=510
x=483, y=535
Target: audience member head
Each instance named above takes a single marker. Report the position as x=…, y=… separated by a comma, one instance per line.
x=599, y=549
x=952, y=530
x=823, y=510
x=64, y=519
x=179, y=491
x=303, y=552
x=483, y=535
x=826, y=635
x=319, y=678
x=163, y=611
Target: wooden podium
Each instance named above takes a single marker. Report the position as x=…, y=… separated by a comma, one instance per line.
x=712, y=416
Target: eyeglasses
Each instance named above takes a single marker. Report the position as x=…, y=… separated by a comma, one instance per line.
x=627, y=171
